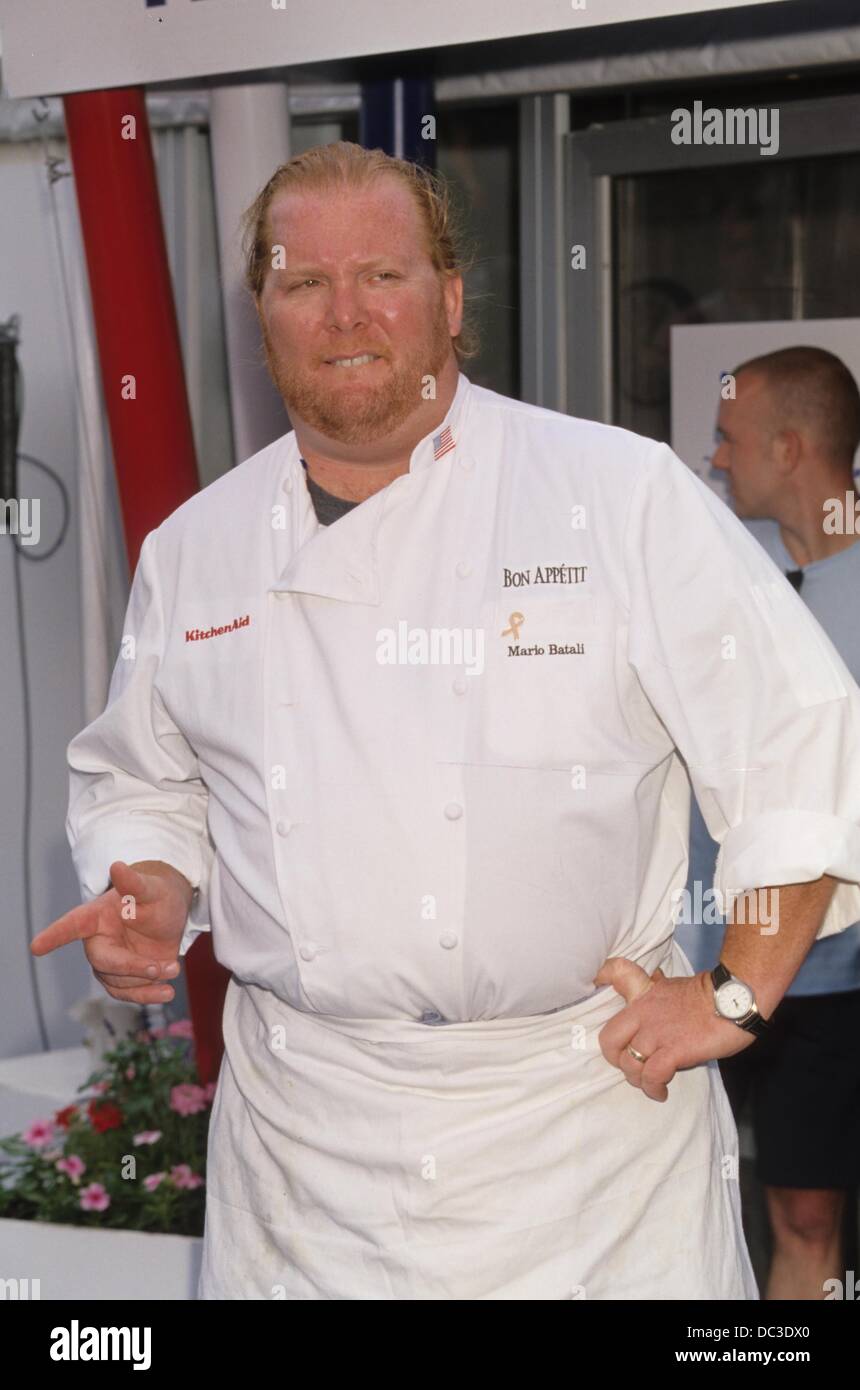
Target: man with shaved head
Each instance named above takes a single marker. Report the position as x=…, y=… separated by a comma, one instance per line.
x=787, y=443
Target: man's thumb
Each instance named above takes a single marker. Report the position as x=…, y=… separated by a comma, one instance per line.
x=128, y=882
x=626, y=977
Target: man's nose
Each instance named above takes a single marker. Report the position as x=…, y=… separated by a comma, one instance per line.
x=719, y=458
x=346, y=306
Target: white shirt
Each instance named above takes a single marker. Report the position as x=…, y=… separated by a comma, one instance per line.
x=383, y=840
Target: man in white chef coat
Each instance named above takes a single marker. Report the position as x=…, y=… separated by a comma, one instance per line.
x=423, y=770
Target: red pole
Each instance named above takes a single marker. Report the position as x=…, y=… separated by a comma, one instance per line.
x=143, y=380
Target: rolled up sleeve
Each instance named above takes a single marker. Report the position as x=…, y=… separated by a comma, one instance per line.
x=749, y=688
x=135, y=791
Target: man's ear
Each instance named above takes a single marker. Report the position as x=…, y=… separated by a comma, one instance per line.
x=452, y=293
x=789, y=448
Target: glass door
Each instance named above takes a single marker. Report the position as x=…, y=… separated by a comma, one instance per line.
x=702, y=234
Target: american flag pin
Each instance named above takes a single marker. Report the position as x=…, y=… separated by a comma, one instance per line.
x=443, y=442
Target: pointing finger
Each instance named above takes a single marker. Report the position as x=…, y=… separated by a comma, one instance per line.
x=77, y=925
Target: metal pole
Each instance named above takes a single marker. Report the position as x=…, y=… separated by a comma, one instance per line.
x=142, y=376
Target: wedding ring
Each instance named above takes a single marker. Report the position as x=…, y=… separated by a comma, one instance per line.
x=633, y=1053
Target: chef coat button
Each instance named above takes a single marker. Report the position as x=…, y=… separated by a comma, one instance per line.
x=308, y=951
x=466, y=463
x=464, y=569
x=448, y=939
x=283, y=827
x=453, y=810
x=288, y=485
x=460, y=685
x=431, y=1016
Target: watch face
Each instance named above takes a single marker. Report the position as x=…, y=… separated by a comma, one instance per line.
x=733, y=999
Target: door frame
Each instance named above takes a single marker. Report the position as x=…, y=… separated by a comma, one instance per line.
x=594, y=157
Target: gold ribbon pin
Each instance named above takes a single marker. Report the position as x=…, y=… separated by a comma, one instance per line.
x=515, y=619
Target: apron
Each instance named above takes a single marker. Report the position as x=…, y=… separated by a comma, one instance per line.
x=355, y=1158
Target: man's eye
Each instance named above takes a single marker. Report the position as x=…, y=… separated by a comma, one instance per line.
x=390, y=273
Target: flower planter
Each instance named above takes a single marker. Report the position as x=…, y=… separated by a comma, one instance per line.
x=82, y=1262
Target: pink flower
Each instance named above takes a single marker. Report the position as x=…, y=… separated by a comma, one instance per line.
x=181, y=1029
x=95, y=1197
x=209, y=1090
x=130, y=1073
x=187, y=1099
x=40, y=1134
x=183, y=1177
x=100, y=1087
x=73, y=1166
x=153, y=1181
x=147, y=1136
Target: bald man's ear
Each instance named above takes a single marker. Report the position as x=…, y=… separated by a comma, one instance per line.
x=788, y=449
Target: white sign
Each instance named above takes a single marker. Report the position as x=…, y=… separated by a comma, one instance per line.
x=703, y=353
x=56, y=46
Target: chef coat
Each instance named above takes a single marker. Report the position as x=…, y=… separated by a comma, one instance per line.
x=432, y=764
x=382, y=821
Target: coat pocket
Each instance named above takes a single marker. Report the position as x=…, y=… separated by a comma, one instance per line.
x=546, y=661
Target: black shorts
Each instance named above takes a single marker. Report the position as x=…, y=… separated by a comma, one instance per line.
x=802, y=1082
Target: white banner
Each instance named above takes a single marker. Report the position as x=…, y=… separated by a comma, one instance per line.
x=55, y=46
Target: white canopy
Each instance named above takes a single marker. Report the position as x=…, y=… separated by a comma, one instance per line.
x=83, y=45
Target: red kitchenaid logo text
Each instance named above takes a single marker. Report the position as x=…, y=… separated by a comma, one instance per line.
x=197, y=634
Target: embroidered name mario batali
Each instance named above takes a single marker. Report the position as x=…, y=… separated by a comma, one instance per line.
x=544, y=574
x=196, y=634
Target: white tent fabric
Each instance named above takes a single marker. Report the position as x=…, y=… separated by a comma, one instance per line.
x=765, y=54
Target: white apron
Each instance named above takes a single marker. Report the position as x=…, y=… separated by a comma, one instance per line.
x=499, y=1159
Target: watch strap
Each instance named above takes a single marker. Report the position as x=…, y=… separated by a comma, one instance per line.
x=755, y=1024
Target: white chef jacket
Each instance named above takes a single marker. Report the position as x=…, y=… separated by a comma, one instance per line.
x=430, y=765
x=382, y=839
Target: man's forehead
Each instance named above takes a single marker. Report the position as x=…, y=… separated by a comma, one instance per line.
x=348, y=226
x=384, y=201
x=747, y=388
x=751, y=384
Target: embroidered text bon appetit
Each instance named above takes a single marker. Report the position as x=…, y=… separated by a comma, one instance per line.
x=544, y=574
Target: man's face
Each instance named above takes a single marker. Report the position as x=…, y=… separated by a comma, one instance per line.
x=358, y=280
x=746, y=428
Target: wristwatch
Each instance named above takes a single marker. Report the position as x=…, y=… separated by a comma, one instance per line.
x=735, y=1001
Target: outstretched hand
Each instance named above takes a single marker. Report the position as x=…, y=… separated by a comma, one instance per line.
x=131, y=933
